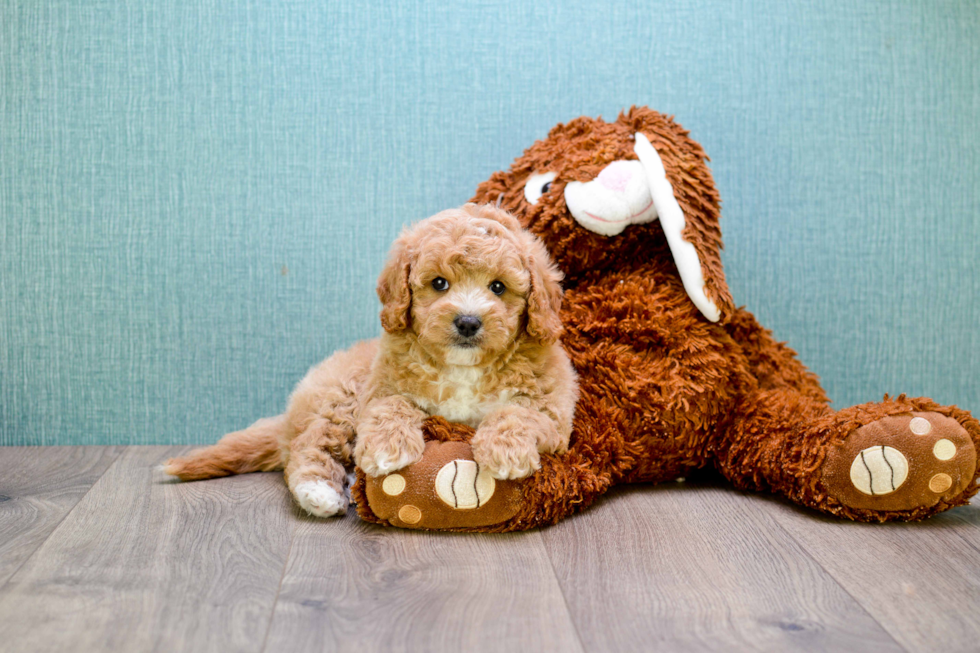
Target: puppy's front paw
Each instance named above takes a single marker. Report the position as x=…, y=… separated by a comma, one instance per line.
x=320, y=499
x=380, y=453
x=506, y=450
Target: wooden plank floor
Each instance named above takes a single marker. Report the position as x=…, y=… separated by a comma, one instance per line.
x=99, y=552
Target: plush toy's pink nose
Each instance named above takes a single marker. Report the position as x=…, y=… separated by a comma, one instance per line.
x=615, y=176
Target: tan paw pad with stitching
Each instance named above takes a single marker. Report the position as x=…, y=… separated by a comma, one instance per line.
x=920, y=426
x=940, y=483
x=944, y=449
x=393, y=484
x=410, y=514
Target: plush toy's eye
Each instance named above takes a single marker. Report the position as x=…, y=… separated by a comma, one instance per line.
x=498, y=288
x=440, y=284
x=538, y=185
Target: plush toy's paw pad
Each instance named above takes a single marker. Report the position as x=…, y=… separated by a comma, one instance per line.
x=320, y=499
x=446, y=489
x=902, y=462
x=463, y=484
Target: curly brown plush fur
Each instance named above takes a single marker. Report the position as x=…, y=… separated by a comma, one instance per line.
x=665, y=390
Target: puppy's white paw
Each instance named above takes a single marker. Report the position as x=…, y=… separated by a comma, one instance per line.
x=379, y=453
x=319, y=499
x=389, y=436
x=521, y=468
x=510, y=461
x=382, y=463
x=506, y=443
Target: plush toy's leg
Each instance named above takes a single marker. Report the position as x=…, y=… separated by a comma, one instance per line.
x=314, y=476
x=446, y=491
x=900, y=459
x=414, y=497
x=566, y=484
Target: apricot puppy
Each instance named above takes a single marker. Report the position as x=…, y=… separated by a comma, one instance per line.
x=471, y=325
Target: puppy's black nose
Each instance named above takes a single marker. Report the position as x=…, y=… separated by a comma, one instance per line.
x=467, y=325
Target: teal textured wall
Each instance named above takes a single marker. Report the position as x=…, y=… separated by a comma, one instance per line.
x=196, y=197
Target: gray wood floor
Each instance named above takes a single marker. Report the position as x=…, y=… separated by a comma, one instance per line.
x=98, y=552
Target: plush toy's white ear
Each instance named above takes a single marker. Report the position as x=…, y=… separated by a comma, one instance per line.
x=672, y=221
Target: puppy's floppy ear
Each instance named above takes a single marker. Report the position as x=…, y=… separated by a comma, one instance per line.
x=544, y=297
x=394, y=290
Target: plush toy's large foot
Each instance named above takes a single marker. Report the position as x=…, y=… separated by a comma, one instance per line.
x=446, y=490
x=902, y=463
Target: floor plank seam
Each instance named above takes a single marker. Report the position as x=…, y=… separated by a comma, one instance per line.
x=282, y=577
x=119, y=452
x=972, y=544
x=832, y=577
x=561, y=590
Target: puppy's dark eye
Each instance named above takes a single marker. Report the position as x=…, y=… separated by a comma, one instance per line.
x=546, y=188
x=497, y=288
x=440, y=284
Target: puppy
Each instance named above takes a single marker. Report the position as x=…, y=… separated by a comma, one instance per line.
x=471, y=326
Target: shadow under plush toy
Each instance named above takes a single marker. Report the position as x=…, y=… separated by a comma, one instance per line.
x=672, y=376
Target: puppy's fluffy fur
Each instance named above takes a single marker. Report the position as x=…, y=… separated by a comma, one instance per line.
x=510, y=379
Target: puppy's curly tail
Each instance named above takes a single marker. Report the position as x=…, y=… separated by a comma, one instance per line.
x=255, y=449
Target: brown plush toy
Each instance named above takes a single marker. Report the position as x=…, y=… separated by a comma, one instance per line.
x=673, y=376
